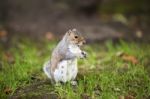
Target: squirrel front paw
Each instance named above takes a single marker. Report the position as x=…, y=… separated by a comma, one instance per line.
x=83, y=54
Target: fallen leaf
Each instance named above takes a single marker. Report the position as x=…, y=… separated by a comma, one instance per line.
x=129, y=97
x=49, y=36
x=130, y=58
x=3, y=33
x=8, y=90
x=127, y=57
x=9, y=57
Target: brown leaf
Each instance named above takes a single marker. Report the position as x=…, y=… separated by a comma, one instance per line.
x=3, y=33
x=9, y=57
x=129, y=58
x=49, y=36
x=129, y=97
x=8, y=90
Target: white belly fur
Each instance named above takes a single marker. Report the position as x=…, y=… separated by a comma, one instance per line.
x=66, y=70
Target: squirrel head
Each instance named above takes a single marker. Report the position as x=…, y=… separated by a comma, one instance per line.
x=75, y=37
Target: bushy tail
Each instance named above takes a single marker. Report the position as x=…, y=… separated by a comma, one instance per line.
x=46, y=69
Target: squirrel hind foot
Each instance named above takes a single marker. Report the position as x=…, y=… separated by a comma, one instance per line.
x=46, y=69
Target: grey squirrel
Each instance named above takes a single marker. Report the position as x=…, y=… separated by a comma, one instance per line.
x=62, y=66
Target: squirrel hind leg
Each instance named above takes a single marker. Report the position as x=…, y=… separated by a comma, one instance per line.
x=46, y=69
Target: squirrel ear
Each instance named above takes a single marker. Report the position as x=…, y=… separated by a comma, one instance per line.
x=69, y=32
x=74, y=29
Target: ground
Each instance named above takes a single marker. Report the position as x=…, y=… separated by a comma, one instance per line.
x=111, y=71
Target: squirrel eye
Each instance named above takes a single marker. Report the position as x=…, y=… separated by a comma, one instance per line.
x=76, y=36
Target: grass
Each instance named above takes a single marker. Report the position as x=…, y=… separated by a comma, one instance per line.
x=103, y=75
